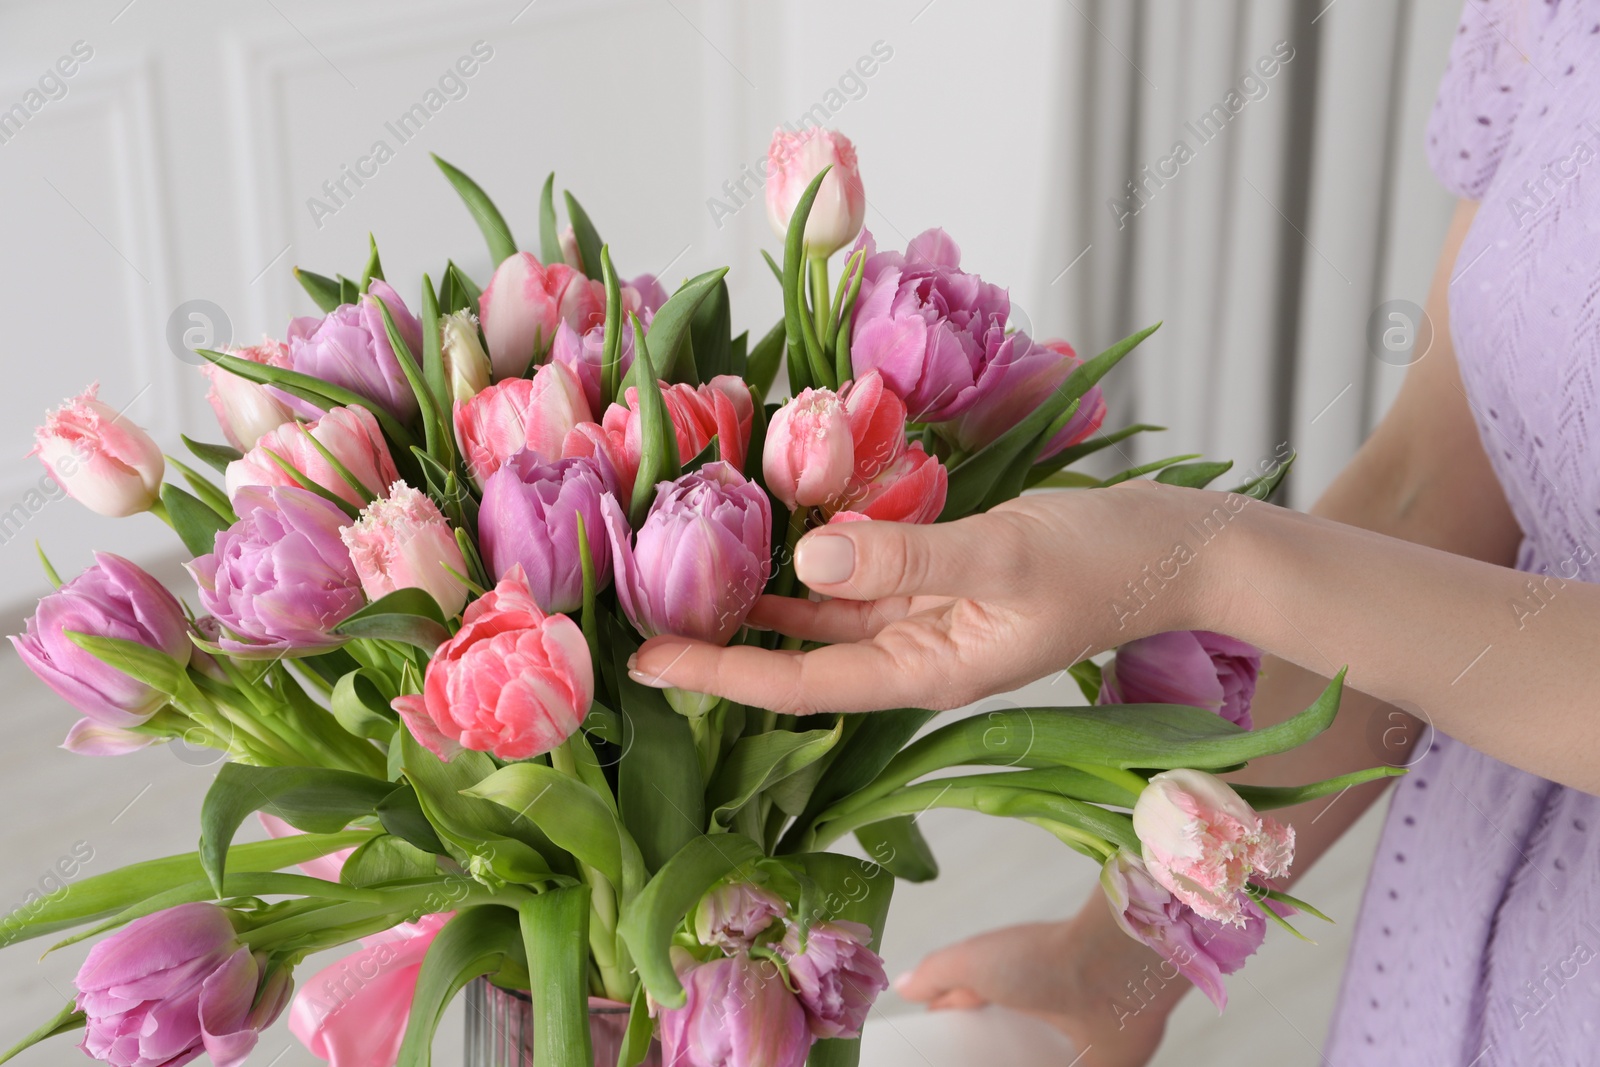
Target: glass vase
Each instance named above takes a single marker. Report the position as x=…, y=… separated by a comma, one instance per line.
x=499, y=1029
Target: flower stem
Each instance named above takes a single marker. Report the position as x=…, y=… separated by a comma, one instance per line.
x=819, y=296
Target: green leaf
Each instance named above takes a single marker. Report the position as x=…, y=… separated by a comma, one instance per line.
x=493, y=225
x=870, y=742
x=478, y=942
x=409, y=615
x=570, y=813
x=1193, y=475
x=401, y=814
x=196, y=524
x=658, y=453
x=711, y=332
x=555, y=937
x=106, y=894
x=349, y=291
x=855, y=891
x=324, y=291
x=1072, y=453
x=312, y=799
x=68, y=1019
x=670, y=329
x=433, y=372
x=216, y=457
x=549, y=233
x=359, y=704
x=839, y=337
x=1088, y=676
x=374, y=267
x=1147, y=468
x=1267, y=797
x=149, y=665
x=305, y=482
x=972, y=480
x=1014, y=479
x=1263, y=487
x=312, y=390
x=760, y=761
x=648, y=923
x=590, y=614
x=457, y=292
x=805, y=351
x=209, y=494
x=588, y=239
x=611, y=351
x=49, y=568
x=661, y=798
x=898, y=845
x=386, y=859
x=636, y=1039
x=435, y=426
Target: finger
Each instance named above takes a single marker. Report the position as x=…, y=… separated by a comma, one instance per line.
x=957, y=1000
x=941, y=975
x=831, y=620
x=863, y=676
x=974, y=557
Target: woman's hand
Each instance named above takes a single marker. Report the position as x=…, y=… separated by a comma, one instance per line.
x=1107, y=992
x=939, y=616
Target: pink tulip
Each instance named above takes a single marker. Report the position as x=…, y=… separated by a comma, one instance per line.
x=351, y=434
x=1017, y=376
x=732, y=915
x=524, y=304
x=103, y=460
x=353, y=1013
x=535, y=413
x=837, y=976
x=793, y=160
x=512, y=681
x=739, y=1013
x=809, y=457
x=911, y=489
x=245, y=410
x=721, y=408
x=877, y=425
x=171, y=985
x=1204, y=843
x=1194, y=667
x=403, y=541
x=608, y=451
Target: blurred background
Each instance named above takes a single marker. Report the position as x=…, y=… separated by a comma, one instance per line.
x=1249, y=171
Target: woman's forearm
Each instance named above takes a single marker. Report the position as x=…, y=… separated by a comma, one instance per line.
x=1501, y=660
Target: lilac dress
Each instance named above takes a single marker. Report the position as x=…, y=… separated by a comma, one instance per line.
x=1479, y=937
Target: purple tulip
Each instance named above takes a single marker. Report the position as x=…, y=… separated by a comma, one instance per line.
x=1194, y=667
x=584, y=353
x=732, y=915
x=1201, y=949
x=700, y=560
x=1018, y=375
x=169, y=986
x=837, y=976
x=281, y=577
x=926, y=325
x=530, y=516
x=113, y=598
x=349, y=347
x=738, y=1014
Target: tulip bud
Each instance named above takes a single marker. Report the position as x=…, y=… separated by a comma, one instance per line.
x=734, y=914
x=466, y=364
x=103, y=460
x=1201, y=950
x=513, y=681
x=738, y=1013
x=793, y=160
x=809, y=456
x=1194, y=667
x=524, y=304
x=113, y=598
x=535, y=413
x=351, y=435
x=529, y=518
x=403, y=541
x=1203, y=842
x=245, y=410
x=171, y=985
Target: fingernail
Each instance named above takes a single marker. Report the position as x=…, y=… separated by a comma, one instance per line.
x=654, y=681
x=824, y=559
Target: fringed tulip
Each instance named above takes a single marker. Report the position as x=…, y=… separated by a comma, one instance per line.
x=524, y=304
x=171, y=985
x=113, y=598
x=529, y=518
x=280, y=578
x=739, y=1013
x=926, y=325
x=734, y=914
x=349, y=347
x=466, y=364
x=793, y=160
x=1200, y=949
x=351, y=435
x=1194, y=667
x=837, y=976
x=1204, y=843
x=403, y=541
x=535, y=413
x=514, y=681
x=245, y=410
x=102, y=459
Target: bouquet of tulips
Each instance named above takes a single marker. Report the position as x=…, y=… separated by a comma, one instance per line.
x=438, y=539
